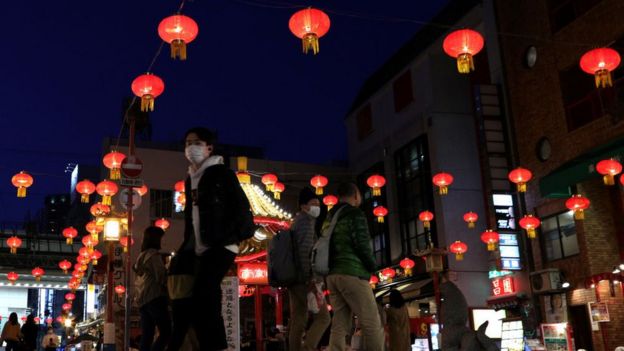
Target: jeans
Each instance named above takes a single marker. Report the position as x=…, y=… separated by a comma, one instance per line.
x=298, y=295
x=155, y=314
x=211, y=268
x=352, y=295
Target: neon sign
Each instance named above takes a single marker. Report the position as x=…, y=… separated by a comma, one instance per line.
x=253, y=273
x=503, y=286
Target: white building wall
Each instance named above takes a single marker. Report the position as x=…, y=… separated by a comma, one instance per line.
x=12, y=300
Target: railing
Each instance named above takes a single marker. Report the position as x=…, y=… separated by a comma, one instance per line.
x=595, y=105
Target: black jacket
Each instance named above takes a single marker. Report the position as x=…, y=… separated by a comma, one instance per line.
x=225, y=216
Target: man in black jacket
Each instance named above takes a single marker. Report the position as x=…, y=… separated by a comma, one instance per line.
x=217, y=218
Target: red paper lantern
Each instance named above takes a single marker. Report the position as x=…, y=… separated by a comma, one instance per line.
x=148, y=87
x=380, y=212
x=520, y=176
x=120, y=290
x=459, y=249
x=530, y=223
x=407, y=264
x=426, y=217
x=112, y=161
x=65, y=265
x=181, y=199
x=330, y=201
x=95, y=256
x=318, y=182
x=490, y=238
x=37, y=320
x=66, y=307
x=89, y=242
x=77, y=274
x=142, y=190
x=49, y=320
x=471, y=218
x=80, y=268
x=106, y=189
x=24, y=318
x=123, y=241
x=608, y=169
x=12, y=277
x=99, y=210
x=70, y=296
x=13, y=243
x=162, y=223
x=373, y=281
x=269, y=180
x=443, y=180
x=578, y=203
x=388, y=274
x=85, y=188
x=309, y=25
x=37, y=272
x=600, y=62
x=21, y=181
x=463, y=44
x=376, y=182
x=85, y=252
x=278, y=189
x=178, y=30
x=179, y=186
x=93, y=229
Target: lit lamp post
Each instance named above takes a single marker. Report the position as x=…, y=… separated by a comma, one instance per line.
x=113, y=227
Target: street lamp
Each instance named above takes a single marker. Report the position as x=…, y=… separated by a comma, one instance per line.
x=112, y=229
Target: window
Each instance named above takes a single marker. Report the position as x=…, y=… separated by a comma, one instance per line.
x=364, y=122
x=559, y=237
x=402, y=90
x=378, y=231
x=415, y=194
x=564, y=12
x=161, y=203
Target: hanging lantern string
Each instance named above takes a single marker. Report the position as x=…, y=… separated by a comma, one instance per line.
x=365, y=16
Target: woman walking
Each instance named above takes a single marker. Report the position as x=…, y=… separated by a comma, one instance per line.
x=30, y=329
x=151, y=292
x=11, y=333
x=398, y=323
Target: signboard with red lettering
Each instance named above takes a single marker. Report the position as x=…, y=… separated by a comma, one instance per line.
x=253, y=273
x=503, y=286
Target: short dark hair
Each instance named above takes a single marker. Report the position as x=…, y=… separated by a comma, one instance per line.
x=396, y=299
x=151, y=238
x=204, y=134
x=347, y=189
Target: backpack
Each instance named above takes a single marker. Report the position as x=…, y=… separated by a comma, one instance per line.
x=320, y=251
x=282, y=259
x=141, y=279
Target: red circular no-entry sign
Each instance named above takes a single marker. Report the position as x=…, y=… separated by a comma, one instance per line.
x=131, y=167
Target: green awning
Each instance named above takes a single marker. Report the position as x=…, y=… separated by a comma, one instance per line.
x=557, y=183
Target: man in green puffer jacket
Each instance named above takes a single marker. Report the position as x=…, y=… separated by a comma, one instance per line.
x=351, y=264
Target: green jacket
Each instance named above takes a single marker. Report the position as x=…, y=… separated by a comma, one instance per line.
x=350, y=247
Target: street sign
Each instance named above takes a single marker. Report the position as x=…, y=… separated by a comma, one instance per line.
x=131, y=166
x=135, y=182
x=123, y=199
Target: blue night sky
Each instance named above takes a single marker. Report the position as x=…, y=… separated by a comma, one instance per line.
x=67, y=65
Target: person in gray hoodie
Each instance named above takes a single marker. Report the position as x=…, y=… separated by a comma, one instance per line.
x=151, y=292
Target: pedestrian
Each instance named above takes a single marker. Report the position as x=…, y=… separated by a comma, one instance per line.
x=50, y=341
x=151, y=292
x=11, y=333
x=350, y=268
x=398, y=323
x=304, y=235
x=217, y=217
x=30, y=329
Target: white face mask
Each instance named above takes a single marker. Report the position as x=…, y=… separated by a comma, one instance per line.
x=314, y=211
x=196, y=154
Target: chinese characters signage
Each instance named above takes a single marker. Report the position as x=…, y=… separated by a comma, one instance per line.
x=503, y=286
x=253, y=273
x=230, y=312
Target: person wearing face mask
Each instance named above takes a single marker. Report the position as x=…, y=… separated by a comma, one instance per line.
x=217, y=217
x=304, y=235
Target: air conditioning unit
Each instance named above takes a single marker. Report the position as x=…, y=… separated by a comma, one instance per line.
x=546, y=281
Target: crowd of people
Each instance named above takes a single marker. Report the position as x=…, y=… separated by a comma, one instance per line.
x=25, y=337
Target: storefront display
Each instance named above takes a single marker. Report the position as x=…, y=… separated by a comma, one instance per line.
x=557, y=337
x=512, y=335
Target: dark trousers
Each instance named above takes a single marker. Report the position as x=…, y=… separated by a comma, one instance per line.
x=210, y=270
x=181, y=310
x=155, y=314
x=11, y=345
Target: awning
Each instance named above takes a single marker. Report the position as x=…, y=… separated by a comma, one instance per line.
x=409, y=289
x=506, y=301
x=582, y=168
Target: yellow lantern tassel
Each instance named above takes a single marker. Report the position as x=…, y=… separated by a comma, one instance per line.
x=70, y=241
x=491, y=246
x=21, y=191
x=13, y=250
x=310, y=41
x=522, y=187
x=319, y=190
x=471, y=225
x=147, y=103
x=125, y=249
x=408, y=272
x=579, y=215
x=95, y=262
x=329, y=207
x=608, y=179
x=106, y=200
x=427, y=224
x=373, y=286
x=65, y=271
x=531, y=233
x=443, y=190
x=276, y=195
x=178, y=49
x=380, y=219
x=84, y=198
x=603, y=79
x=38, y=278
x=376, y=191
x=465, y=63
x=459, y=256
x=115, y=173
x=94, y=236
